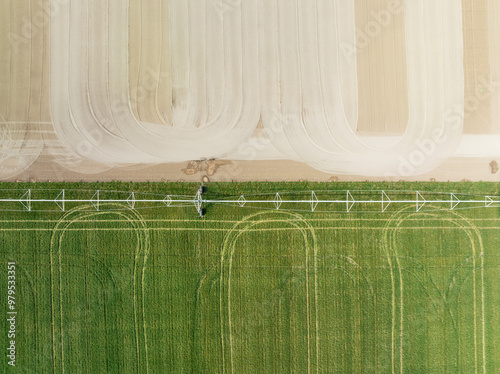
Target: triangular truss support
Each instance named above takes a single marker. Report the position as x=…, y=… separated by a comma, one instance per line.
x=95, y=200
x=314, y=201
x=197, y=201
x=386, y=201
x=26, y=200
x=277, y=201
x=488, y=201
x=454, y=201
x=420, y=201
x=349, y=201
x=131, y=201
x=167, y=200
x=60, y=202
x=242, y=201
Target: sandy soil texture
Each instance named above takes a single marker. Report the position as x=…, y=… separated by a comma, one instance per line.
x=382, y=71
x=102, y=88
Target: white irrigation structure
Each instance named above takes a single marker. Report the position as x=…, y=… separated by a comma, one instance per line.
x=313, y=201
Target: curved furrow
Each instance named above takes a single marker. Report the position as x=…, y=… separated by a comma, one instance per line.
x=150, y=63
x=89, y=100
x=20, y=137
x=313, y=113
x=270, y=77
x=60, y=84
x=435, y=75
x=240, y=116
x=88, y=107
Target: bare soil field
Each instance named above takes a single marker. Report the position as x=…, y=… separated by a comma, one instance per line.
x=98, y=91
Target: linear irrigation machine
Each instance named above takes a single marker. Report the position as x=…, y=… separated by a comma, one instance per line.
x=334, y=201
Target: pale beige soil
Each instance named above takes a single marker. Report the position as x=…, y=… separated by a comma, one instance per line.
x=149, y=61
x=494, y=49
x=477, y=65
x=23, y=84
x=456, y=169
x=382, y=81
x=382, y=94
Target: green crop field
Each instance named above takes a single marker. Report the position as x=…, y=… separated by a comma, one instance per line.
x=253, y=291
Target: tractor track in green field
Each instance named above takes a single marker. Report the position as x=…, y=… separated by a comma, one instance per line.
x=141, y=253
x=444, y=298
x=229, y=246
x=393, y=226
x=474, y=235
x=472, y=227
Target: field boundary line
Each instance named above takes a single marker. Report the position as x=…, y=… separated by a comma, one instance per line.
x=236, y=221
x=253, y=230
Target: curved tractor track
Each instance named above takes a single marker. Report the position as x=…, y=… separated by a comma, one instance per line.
x=135, y=83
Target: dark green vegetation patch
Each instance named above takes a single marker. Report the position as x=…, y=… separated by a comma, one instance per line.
x=250, y=291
